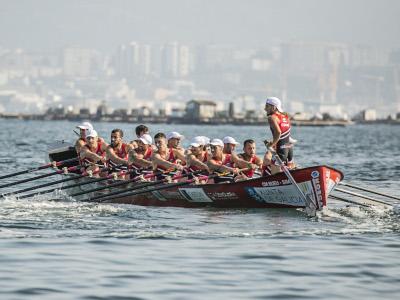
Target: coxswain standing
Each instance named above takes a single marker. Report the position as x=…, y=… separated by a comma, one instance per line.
x=279, y=124
x=249, y=155
x=140, y=158
x=93, y=152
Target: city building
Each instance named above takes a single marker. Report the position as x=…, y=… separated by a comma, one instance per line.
x=200, y=110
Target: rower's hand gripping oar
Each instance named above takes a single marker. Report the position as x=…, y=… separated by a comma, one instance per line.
x=49, y=165
x=311, y=207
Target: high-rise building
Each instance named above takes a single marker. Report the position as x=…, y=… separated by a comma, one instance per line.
x=77, y=61
x=177, y=60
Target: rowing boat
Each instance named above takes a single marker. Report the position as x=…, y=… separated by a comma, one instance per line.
x=263, y=192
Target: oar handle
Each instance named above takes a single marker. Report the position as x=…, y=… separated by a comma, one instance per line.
x=48, y=165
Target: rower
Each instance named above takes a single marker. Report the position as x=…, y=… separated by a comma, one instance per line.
x=140, y=158
x=229, y=144
x=93, y=152
x=280, y=127
x=139, y=131
x=230, y=147
x=117, y=151
x=268, y=167
x=164, y=158
x=83, y=128
x=198, y=156
x=219, y=161
x=249, y=155
x=173, y=143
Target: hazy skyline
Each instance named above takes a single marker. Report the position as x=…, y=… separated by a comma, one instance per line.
x=47, y=25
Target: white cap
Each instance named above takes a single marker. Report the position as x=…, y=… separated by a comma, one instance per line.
x=91, y=133
x=174, y=135
x=146, y=139
x=85, y=125
x=217, y=142
x=230, y=140
x=197, y=141
x=275, y=102
x=206, y=140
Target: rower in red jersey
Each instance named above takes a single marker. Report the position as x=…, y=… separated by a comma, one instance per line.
x=197, y=157
x=117, y=151
x=93, y=153
x=173, y=142
x=164, y=158
x=280, y=127
x=140, y=158
x=139, y=131
x=249, y=155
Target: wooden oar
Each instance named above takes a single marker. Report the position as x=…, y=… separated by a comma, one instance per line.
x=52, y=164
x=92, y=180
x=368, y=190
x=158, y=188
x=311, y=207
x=348, y=200
x=145, y=184
x=122, y=182
x=70, y=169
x=84, y=174
x=370, y=199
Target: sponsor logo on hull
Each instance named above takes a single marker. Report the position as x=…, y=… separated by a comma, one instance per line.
x=195, y=195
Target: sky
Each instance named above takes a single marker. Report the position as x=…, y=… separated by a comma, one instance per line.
x=104, y=24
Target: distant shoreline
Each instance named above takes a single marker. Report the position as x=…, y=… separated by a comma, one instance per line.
x=177, y=120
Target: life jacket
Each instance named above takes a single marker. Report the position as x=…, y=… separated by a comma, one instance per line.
x=284, y=125
x=250, y=173
x=99, y=151
x=204, y=160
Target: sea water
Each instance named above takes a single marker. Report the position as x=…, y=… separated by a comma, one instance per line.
x=64, y=249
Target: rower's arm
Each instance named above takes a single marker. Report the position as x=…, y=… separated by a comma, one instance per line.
x=258, y=162
x=158, y=160
x=114, y=158
x=85, y=153
x=276, y=131
x=241, y=163
x=214, y=166
x=78, y=145
x=136, y=158
x=193, y=161
x=180, y=155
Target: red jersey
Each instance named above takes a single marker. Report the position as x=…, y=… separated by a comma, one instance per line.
x=250, y=173
x=99, y=151
x=284, y=124
x=204, y=160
